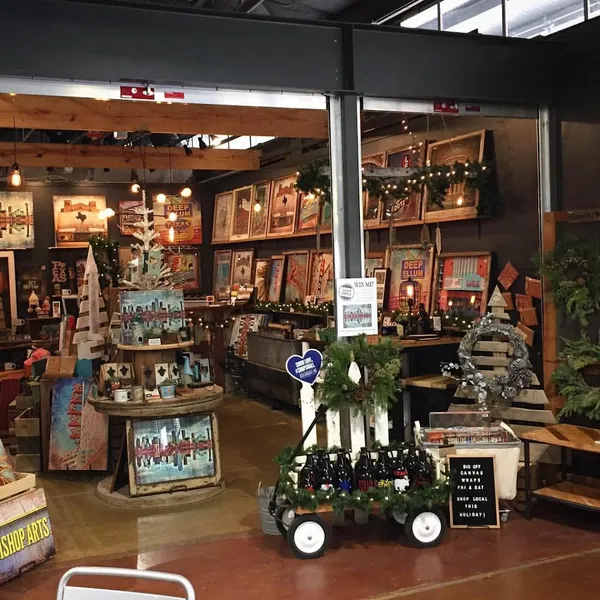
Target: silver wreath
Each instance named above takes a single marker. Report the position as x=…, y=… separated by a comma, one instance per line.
x=507, y=385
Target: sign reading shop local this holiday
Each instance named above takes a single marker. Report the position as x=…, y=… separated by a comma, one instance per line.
x=356, y=306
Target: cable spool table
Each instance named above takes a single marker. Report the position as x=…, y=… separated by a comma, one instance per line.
x=176, y=460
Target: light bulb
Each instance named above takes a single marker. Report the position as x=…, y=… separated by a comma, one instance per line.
x=15, y=179
x=161, y=198
x=171, y=234
x=257, y=207
x=172, y=216
x=460, y=200
x=135, y=188
x=106, y=213
x=473, y=298
x=186, y=192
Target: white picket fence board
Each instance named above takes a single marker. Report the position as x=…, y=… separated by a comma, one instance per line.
x=357, y=433
x=382, y=431
x=334, y=436
x=307, y=411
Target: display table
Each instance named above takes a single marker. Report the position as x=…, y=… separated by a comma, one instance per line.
x=155, y=468
x=567, y=437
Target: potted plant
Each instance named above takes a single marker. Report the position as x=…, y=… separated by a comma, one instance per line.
x=166, y=389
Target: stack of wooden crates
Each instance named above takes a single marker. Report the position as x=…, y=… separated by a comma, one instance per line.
x=27, y=445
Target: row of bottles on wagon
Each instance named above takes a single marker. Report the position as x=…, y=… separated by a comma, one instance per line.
x=395, y=469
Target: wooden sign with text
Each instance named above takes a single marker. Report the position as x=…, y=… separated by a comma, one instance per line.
x=474, y=502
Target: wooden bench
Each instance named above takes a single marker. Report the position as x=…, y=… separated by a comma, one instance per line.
x=434, y=381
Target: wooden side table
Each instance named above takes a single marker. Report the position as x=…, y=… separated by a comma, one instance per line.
x=567, y=437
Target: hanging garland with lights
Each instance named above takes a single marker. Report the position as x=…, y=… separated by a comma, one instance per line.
x=324, y=309
x=106, y=255
x=436, y=178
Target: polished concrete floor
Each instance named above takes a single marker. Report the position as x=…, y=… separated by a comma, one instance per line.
x=219, y=547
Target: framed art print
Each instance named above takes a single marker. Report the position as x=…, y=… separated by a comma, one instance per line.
x=78, y=217
x=326, y=216
x=460, y=200
x=409, y=262
x=185, y=268
x=380, y=276
x=222, y=272
x=461, y=283
x=173, y=451
x=259, y=218
x=222, y=217
x=261, y=278
x=129, y=213
x=187, y=227
x=374, y=261
x=241, y=267
x=320, y=284
x=372, y=205
x=16, y=219
x=242, y=209
x=308, y=212
x=296, y=276
x=275, y=278
x=406, y=209
x=282, y=209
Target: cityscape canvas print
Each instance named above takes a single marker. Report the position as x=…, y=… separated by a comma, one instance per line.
x=78, y=217
x=170, y=450
x=152, y=309
x=78, y=434
x=16, y=220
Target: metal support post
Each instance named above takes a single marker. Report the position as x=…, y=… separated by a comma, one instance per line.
x=346, y=195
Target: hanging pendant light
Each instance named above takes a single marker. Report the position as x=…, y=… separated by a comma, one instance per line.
x=186, y=192
x=15, y=177
x=161, y=198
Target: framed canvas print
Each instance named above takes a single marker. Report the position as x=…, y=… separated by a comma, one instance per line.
x=76, y=218
x=170, y=452
x=461, y=283
x=296, y=276
x=259, y=218
x=261, y=279
x=380, y=276
x=275, y=278
x=161, y=309
x=185, y=268
x=308, y=212
x=326, y=216
x=242, y=326
x=409, y=263
x=408, y=209
x=241, y=267
x=242, y=209
x=129, y=213
x=461, y=200
x=16, y=220
x=282, y=209
x=371, y=205
x=374, y=261
x=187, y=227
x=320, y=285
x=78, y=434
x=222, y=217
x=222, y=272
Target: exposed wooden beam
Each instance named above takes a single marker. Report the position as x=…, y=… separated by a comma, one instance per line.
x=71, y=155
x=44, y=112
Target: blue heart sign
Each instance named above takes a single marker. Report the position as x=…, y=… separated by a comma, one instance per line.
x=305, y=368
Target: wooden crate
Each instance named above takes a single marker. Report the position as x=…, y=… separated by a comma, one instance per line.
x=29, y=446
x=28, y=463
x=24, y=401
x=24, y=482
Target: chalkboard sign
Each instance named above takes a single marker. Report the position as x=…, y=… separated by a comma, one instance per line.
x=474, y=502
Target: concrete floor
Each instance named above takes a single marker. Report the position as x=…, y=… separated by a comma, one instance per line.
x=219, y=547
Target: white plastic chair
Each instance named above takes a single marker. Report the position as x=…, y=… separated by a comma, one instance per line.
x=84, y=593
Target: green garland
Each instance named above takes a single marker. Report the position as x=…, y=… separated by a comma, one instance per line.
x=324, y=309
x=382, y=362
x=572, y=270
x=580, y=398
x=436, y=178
x=388, y=499
x=106, y=255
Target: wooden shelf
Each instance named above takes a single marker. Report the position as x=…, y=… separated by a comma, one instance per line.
x=585, y=439
x=68, y=247
x=574, y=494
x=147, y=348
x=408, y=343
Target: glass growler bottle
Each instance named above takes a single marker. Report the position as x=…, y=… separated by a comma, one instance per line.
x=365, y=472
x=324, y=473
x=422, y=476
x=307, y=479
x=438, y=320
x=423, y=325
x=400, y=473
x=342, y=474
x=383, y=470
x=411, y=463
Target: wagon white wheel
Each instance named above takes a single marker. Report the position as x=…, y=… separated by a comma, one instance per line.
x=308, y=536
x=425, y=529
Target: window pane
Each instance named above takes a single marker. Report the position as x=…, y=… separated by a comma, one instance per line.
x=594, y=8
x=542, y=17
x=426, y=19
x=472, y=16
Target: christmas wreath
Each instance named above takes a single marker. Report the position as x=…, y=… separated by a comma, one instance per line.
x=377, y=386
x=572, y=271
x=507, y=385
x=580, y=397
